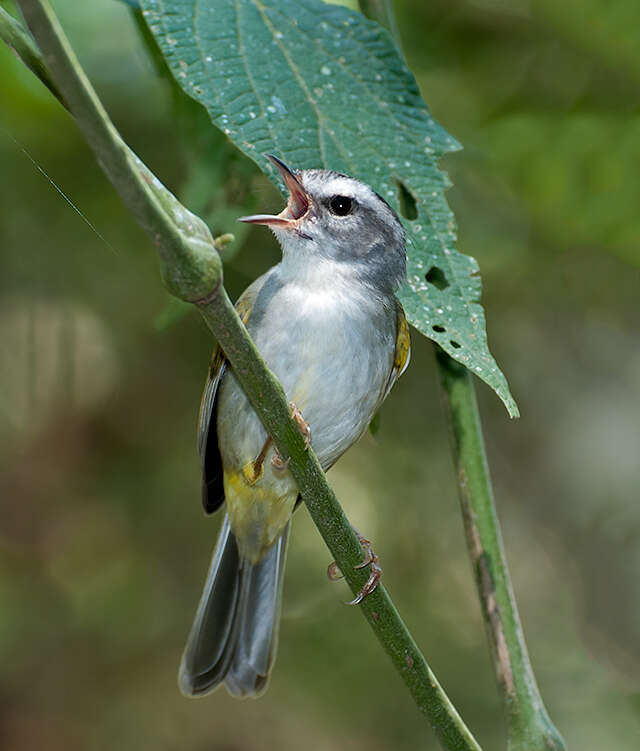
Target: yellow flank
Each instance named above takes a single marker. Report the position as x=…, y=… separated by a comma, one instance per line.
x=258, y=512
x=253, y=471
x=403, y=342
x=217, y=358
x=243, y=308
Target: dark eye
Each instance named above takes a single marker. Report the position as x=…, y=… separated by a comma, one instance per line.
x=340, y=205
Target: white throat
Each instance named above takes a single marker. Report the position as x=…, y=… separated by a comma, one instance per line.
x=323, y=284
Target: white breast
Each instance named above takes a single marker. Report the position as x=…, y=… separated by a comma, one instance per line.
x=331, y=344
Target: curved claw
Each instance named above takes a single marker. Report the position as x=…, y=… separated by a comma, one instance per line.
x=369, y=586
x=369, y=555
x=277, y=462
x=303, y=425
x=370, y=558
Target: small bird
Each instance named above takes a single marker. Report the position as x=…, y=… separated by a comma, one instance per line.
x=329, y=326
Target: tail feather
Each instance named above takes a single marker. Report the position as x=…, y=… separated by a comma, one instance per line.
x=235, y=632
x=256, y=628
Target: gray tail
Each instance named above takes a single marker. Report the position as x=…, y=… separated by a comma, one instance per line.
x=234, y=636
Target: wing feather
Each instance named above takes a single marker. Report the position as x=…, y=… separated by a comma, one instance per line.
x=211, y=462
x=208, y=450
x=402, y=355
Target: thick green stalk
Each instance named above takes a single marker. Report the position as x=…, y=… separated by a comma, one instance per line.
x=528, y=724
x=192, y=269
x=190, y=266
x=12, y=33
x=529, y=727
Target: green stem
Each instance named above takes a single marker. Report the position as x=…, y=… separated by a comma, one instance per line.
x=21, y=42
x=190, y=266
x=185, y=269
x=529, y=727
x=382, y=11
x=528, y=724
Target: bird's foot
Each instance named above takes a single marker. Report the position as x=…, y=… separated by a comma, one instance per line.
x=370, y=559
x=277, y=462
x=304, y=426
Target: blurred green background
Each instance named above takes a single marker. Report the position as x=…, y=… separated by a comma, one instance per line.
x=103, y=545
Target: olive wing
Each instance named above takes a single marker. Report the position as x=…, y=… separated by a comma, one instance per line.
x=402, y=354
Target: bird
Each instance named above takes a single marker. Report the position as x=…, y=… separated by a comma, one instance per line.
x=327, y=322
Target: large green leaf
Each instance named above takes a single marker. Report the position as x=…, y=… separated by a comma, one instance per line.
x=321, y=86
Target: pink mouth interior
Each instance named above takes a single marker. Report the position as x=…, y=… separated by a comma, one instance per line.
x=298, y=205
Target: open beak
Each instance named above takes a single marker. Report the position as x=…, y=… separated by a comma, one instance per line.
x=295, y=209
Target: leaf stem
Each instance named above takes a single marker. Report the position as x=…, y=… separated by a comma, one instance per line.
x=163, y=218
x=528, y=724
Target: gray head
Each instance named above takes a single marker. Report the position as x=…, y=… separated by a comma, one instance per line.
x=333, y=217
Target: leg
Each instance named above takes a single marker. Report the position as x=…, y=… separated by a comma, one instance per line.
x=370, y=558
x=277, y=462
x=304, y=426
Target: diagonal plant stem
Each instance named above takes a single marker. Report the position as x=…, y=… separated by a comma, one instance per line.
x=529, y=727
x=15, y=37
x=192, y=270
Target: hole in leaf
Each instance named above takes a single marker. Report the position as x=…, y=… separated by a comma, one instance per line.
x=408, y=207
x=436, y=277
x=439, y=329
x=455, y=345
